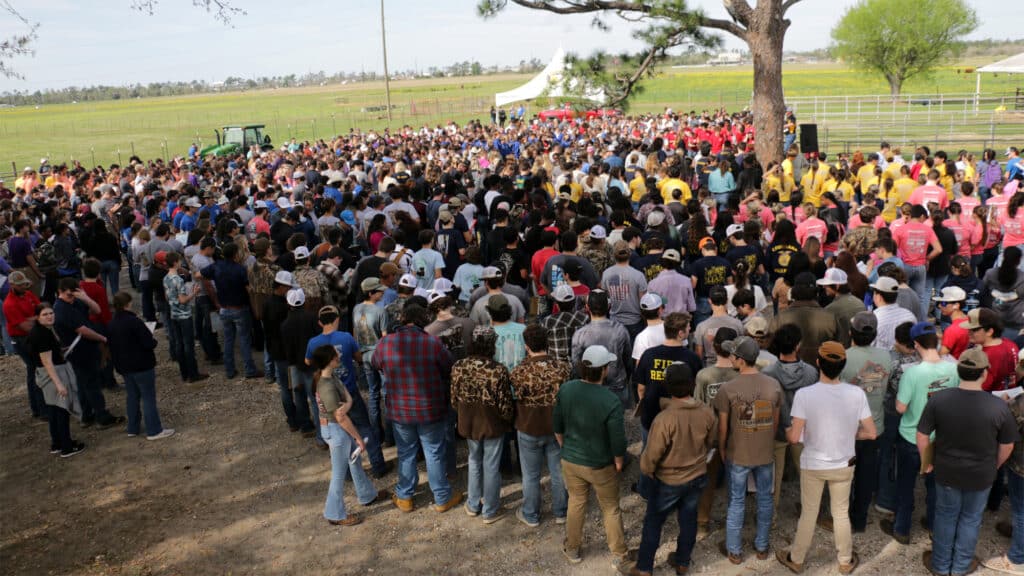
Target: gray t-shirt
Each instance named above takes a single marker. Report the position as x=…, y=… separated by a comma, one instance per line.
x=199, y=262
x=704, y=335
x=624, y=285
x=869, y=369
x=481, y=317
x=424, y=263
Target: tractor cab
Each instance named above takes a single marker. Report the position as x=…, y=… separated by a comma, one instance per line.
x=237, y=139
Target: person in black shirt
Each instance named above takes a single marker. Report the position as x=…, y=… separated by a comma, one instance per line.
x=709, y=271
x=57, y=380
x=513, y=260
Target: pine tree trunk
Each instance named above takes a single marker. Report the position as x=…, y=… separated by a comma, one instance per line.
x=764, y=38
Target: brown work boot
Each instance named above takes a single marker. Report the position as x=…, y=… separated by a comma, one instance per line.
x=452, y=502
x=402, y=504
x=736, y=559
x=849, y=568
x=350, y=521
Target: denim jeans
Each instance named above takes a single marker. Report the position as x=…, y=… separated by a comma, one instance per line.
x=359, y=416
x=163, y=313
x=451, y=437
x=90, y=390
x=645, y=483
x=955, y=530
x=908, y=466
x=111, y=274
x=292, y=396
x=1015, y=486
x=408, y=438
x=534, y=453
x=917, y=279
x=374, y=391
x=865, y=482
x=36, y=403
x=8, y=342
x=204, y=329
x=237, y=322
x=703, y=311
x=184, y=346
x=484, y=483
x=886, y=497
x=933, y=283
x=341, y=445
x=663, y=499
x=141, y=386
x=302, y=379
x=737, y=506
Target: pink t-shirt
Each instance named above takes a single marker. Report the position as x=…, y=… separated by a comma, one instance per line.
x=922, y=195
x=766, y=216
x=913, y=240
x=969, y=203
x=1013, y=229
x=815, y=227
x=998, y=206
x=878, y=223
x=962, y=234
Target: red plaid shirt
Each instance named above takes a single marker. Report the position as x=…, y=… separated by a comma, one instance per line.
x=418, y=370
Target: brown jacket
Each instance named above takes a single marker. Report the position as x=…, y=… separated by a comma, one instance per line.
x=679, y=440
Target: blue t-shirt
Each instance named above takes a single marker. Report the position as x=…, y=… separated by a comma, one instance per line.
x=1013, y=166
x=346, y=346
x=424, y=263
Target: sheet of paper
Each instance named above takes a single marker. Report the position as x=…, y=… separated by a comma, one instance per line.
x=1011, y=393
x=151, y=326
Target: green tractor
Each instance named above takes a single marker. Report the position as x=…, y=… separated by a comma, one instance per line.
x=237, y=139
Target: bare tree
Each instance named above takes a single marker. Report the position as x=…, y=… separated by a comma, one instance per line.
x=672, y=23
x=21, y=44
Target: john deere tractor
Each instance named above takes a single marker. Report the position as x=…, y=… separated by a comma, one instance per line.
x=237, y=139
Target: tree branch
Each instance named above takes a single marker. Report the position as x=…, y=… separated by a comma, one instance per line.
x=584, y=7
x=724, y=25
x=789, y=3
x=739, y=10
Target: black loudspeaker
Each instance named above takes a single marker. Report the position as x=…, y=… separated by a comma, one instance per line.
x=808, y=138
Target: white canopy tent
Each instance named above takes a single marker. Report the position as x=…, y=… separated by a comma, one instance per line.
x=548, y=83
x=1011, y=65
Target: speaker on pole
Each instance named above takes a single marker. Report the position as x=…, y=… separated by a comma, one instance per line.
x=808, y=138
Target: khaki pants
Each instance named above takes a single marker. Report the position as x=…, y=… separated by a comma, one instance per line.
x=812, y=483
x=707, y=498
x=780, y=464
x=605, y=482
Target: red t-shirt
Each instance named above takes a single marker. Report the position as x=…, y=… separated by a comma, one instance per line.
x=956, y=338
x=17, y=309
x=540, y=258
x=913, y=241
x=1002, y=359
x=97, y=292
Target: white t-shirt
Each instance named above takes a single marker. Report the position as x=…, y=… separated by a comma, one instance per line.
x=832, y=415
x=648, y=338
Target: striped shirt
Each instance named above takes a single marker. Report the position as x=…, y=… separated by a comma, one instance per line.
x=889, y=317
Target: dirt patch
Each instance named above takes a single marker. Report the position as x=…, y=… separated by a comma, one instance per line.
x=234, y=492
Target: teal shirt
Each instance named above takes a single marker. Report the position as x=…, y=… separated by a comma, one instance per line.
x=589, y=417
x=917, y=384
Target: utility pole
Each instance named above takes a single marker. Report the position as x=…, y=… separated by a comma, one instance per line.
x=384, y=47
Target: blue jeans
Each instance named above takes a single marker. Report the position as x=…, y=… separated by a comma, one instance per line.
x=1015, y=486
x=955, y=530
x=7, y=341
x=703, y=311
x=237, y=323
x=737, y=506
x=307, y=403
x=359, y=416
x=293, y=398
x=886, y=497
x=645, y=483
x=373, y=388
x=36, y=402
x=484, y=481
x=163, y=313
x=110, y=271
x=184, y=346
x=917, y=279
x=534, y=452
x=204, y=330
x=933, y=283
x=908, y=467
x=341, y=445
x=663, y=499
x=409, y=437
x=90, y=390
x=141, y=386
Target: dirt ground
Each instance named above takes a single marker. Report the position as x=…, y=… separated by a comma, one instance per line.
x=234, y=492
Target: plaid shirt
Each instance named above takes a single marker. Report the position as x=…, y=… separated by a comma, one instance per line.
x=417, y=368
x=560, y=329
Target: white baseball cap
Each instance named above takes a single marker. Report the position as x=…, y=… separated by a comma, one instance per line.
x=598, y=232
x=734, y=229
x=407, y=281
x=598, y=356
x=434, y=296
x=223, y=199
x=301, y=253
x=490, y=273
x=886, y=284
x=563, y=293
x=951, y=294
x=193, y=203
x=833, y=277
x=650, y=301
x=283, y=203
x=296, y=297
x=285, y=278
x=443, y=286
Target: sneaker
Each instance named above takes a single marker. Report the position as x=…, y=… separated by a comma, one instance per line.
x=560, y=520
x=497, y=516
x=786, y=560
x=131, y=434
x=521, y=518
x=573, y=556
x=624, y=564
x=884, y=510
x=54, y=450
x=166, y=433
x=469, y=511
x=452, y=502
x=1003, y=564
x=74, y=450
x=114, y=421
x=887, y=526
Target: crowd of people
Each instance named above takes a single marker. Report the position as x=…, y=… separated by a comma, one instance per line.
x=531, y=287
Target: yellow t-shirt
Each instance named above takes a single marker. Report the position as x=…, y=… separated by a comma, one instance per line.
x=667, y=185
x=787, y=167
x=969, y=171
x=947, y=183
x=902, y=188
x=577, y=191
x=811, y=188
x=785, y=186
x=866, y=177
x=637, y=189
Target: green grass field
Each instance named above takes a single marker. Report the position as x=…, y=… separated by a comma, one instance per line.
x=105, y=132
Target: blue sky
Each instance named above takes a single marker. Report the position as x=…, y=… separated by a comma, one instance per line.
x=83, y=42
